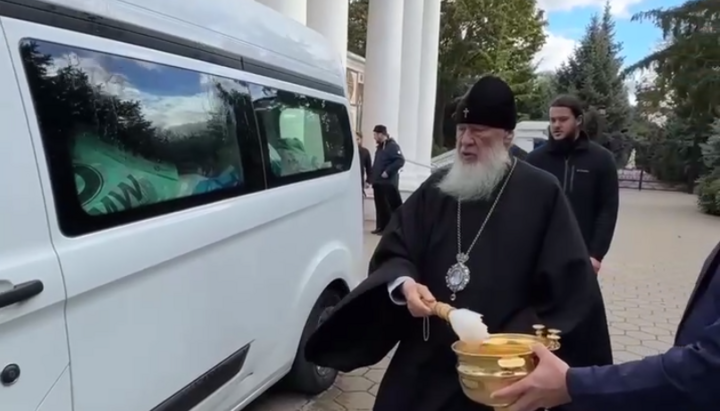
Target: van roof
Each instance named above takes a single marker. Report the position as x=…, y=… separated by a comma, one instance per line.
x=242, y=27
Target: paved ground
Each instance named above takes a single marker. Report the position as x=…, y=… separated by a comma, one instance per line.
x=660, y=244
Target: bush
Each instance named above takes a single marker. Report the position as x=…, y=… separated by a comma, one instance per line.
x=708, y=193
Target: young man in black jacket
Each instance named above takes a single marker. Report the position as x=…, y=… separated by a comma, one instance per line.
x=385, y=177
x=587, y=173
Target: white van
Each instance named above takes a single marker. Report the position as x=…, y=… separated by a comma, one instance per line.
x=180, y=203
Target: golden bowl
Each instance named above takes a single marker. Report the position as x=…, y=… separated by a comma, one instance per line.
x=498, y=362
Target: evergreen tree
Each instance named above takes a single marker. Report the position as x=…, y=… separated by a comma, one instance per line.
x=357, y=26
x=688, y=64
x=610, y=80
x=711, y=149
x=687, y=68
x=594, y=74
x=535, y=106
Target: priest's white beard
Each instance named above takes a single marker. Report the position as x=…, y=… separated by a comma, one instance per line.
x=468, y=182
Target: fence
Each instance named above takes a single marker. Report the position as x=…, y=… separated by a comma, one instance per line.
x=640, y=180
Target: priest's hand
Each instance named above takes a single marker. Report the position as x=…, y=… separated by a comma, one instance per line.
x=544, y=388
x=596, y=264
x=419, y=299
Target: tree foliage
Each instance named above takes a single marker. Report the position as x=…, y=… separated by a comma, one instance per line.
x=477, y=37
x=708, y=187
x=688, y=65
x=594, y=74
x=357, y=26
x=685, y=93
x=535, y=106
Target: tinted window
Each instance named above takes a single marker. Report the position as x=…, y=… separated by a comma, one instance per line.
x=306, y=137
x=128, y=139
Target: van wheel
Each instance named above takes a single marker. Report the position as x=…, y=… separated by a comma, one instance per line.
x=306, y=377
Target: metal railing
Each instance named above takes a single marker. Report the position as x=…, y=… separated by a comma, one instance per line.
x=443, y=159
x=429, y=167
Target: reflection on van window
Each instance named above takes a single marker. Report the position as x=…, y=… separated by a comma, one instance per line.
x=304, y=134
x=138, y=133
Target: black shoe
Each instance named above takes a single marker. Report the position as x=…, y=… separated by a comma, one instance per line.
x=377, y=231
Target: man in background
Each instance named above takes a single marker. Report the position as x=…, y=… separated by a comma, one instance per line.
x=385, y=177
x=365, y=163
x=587, y=174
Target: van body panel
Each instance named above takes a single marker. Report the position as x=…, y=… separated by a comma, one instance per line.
x=134, y=313
x=32, y=331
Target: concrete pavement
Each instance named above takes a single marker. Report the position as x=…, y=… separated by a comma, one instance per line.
x=659, y=246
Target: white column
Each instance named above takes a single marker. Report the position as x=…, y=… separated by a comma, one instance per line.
x=410, y=77
x=381, y=96
x=428, y=79
x=330, y=18
x=295, y=9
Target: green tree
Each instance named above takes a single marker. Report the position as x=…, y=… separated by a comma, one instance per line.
x=688, y=64
x=594, y=73
x=688, y=80
x=708, y=188
x=535, y=106
x=477, y=37
x=610, y=80
x=357, y=26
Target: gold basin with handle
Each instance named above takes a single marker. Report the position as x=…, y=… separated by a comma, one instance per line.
x=498, y=362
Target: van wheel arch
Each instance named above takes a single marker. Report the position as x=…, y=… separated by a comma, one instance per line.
x=305, y=377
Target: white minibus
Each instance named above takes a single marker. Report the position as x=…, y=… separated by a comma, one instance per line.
x=180, y=208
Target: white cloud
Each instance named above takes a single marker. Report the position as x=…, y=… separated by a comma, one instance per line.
x=620, y=8
x=557, y=50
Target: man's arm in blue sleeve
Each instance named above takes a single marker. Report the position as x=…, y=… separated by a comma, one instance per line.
x=397, y=159
x=683, y=378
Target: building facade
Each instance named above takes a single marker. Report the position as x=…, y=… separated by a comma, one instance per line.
x=395, y=83
x=356, y=86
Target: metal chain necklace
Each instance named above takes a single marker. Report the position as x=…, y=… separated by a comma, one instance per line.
x=458, y=276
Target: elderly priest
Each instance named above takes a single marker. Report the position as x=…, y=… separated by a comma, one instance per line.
x=492, y=234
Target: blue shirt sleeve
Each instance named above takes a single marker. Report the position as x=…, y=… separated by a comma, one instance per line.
x=684, y=378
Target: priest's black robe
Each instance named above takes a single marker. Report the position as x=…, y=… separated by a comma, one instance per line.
x=530, y=266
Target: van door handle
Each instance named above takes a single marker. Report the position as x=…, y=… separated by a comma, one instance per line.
x=21, y=292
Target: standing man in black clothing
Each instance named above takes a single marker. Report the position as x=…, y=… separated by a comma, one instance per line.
x=365, y=163
x=587, y=173
x=385, y=177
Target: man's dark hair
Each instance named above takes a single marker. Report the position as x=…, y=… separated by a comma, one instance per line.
x=380, y=129
x=570, y=102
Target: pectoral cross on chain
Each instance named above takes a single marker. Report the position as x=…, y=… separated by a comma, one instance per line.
x=465, y=112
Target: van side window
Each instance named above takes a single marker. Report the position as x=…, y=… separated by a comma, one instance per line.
x=127, y=139
x=306, y=137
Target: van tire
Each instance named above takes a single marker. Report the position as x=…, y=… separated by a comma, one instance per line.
x=306, y=377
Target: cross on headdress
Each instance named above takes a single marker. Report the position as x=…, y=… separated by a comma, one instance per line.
x=465, y=112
